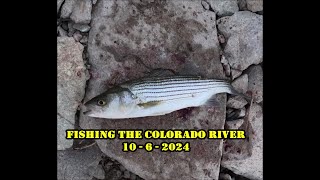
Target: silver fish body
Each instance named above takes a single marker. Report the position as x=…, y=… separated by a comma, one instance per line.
x=155, y=96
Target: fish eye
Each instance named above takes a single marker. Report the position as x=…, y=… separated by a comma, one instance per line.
x=101, y=102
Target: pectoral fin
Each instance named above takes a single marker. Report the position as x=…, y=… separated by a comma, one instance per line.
x=149, y=104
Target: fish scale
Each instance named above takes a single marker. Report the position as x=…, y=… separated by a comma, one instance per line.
x=174, y=88
x=173, y=81
x=170, y=85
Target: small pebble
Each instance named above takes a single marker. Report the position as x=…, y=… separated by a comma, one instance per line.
x=113, y=174
x=225, y=177
x=126, y=174
x=226, y=66
x=96, y=172
x=236, y=102
x=122, y=168
x=84, y=40
x=234, y=124
x=221, y=39
x=82, y=27
x=205, y=5
x=77, y=36
x=242, y=5
x=241, y=83
x=119, y=173
x=235, y=114
x=242, y=112
x=235, y=73
x=64, y=26
x=133, y=176
x=71, y=29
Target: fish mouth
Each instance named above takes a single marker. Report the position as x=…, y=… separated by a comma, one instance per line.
x=86, y=112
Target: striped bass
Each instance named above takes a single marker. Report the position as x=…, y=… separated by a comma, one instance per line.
x=154, y=96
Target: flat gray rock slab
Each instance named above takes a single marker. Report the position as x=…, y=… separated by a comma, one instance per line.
x=78, y=164
x=71, y=86
x=130, y=38
x=245, y=157
x=81, y=12
x=67, y=8
x=243, y=31
x=224, y=7
x=255, y=5
x=255, y=82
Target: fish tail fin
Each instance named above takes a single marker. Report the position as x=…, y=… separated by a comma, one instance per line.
x=212, y=101
x=236, y=93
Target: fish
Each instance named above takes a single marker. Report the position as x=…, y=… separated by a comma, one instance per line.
x=156, y=96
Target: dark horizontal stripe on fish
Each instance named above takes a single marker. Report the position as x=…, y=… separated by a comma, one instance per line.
x=159, y=100
x=176, y=79
x=170, y=79
x=177, y=94
x=174, y=83
x=159, y=97
x=179, y=90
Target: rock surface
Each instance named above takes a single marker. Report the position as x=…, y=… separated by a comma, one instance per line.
x=130, y=38
x=251, y=165
x=67, y=8
x=225, y=177
x=243, y=31
x=74, y=164
x=242, y=4
x=81, y=27
x=81, y=12
x=226, y=66
x=255, y=5
x=205, y=4
x=236, y=102
x=235, y=73
x=84, y=40
x=59, y=2
x=242, y=112
x=113, y=174
x=241, y=83
x=71, y=30
x=71, y=86
x=96, y=171
x=62, y=32
x=224, y=7
x=77, y=36
x=255, y=82
x=234, y=114
x=234, y=124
